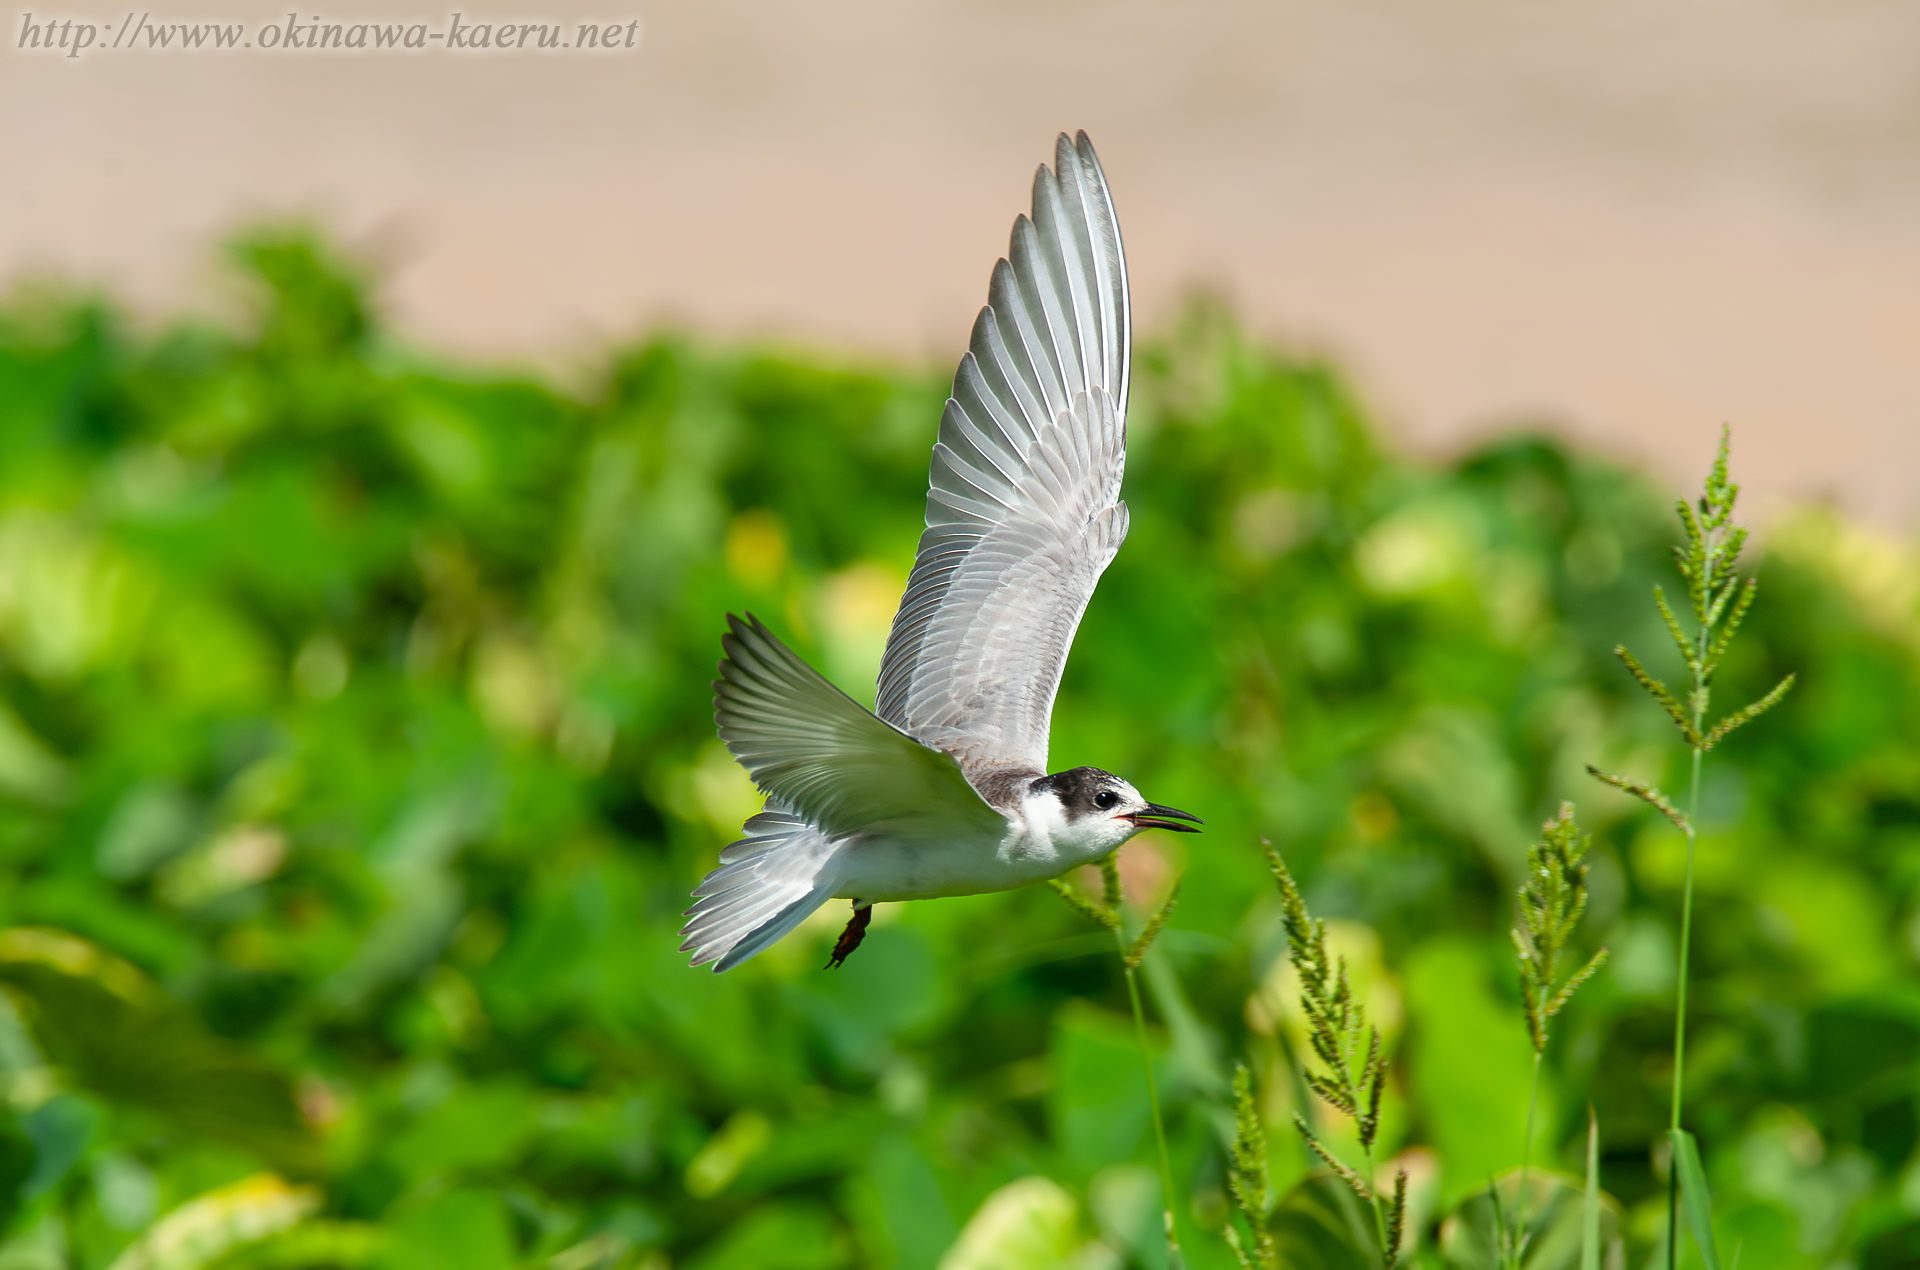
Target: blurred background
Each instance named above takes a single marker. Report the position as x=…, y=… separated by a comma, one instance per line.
x=383, y=438
x=1635, y=221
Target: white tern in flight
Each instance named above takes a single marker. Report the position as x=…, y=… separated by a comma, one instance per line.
x=945, y=791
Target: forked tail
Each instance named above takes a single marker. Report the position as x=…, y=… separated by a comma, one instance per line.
x=767, y=884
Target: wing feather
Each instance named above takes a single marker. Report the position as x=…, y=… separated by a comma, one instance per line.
x=1009, y=344
x=1023, y=510
x=1043, y=323
x=826, y=757
x=1063, y=268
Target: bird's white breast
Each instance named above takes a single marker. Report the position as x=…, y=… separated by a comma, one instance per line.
x=1039, y=842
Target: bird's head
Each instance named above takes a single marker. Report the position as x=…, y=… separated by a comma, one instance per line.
x=1101, y=810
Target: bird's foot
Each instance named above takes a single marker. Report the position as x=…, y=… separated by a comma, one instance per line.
x=850, y=937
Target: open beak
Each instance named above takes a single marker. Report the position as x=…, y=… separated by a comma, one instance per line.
x=1157, y=817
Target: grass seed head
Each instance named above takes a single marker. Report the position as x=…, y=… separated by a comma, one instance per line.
x=1548, y=908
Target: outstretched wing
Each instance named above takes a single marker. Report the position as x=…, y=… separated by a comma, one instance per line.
x=824, y=756
x=1023, y=513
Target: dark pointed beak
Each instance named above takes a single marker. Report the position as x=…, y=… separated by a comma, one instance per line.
x=1157, y=817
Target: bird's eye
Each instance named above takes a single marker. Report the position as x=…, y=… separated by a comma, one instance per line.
x=1105, y=799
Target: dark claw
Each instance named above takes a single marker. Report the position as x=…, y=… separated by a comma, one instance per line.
x=850, y=937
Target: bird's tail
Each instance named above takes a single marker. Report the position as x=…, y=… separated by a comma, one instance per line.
x=767, y=884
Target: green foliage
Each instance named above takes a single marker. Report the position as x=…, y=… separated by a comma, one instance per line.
x=1247, y=1177
x=1709, y=562
x=1351, y=1074
x=1590, y=1208
x=1109, y=913
x=1323, y=1225
x=1646, y=794
x=1472, y=1064
x=1556, y=1219
x=1695, y=1194
x=356, y=747
x=1549, y=907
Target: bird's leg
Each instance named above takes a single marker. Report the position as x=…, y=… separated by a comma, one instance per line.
x=850, y=937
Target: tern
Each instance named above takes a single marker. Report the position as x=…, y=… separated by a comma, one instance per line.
x=943, y=790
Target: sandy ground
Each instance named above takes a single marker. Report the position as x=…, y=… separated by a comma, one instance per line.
x=1632, y=220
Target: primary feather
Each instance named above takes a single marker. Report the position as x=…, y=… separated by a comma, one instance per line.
x=1023, y=510
x=823, y=755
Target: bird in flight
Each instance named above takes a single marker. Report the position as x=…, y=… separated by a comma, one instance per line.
x=944, y=790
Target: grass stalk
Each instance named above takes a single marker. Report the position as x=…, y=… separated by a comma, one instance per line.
x=1519, y=1244
x=1352, y=1073
x=1680, y=988
x=1709, y=562
x=1590, y=1205
x=1547, y=910
x=1387, y=1252
x=1110, y=912
x=1247, y=1178
x=1153, y=1103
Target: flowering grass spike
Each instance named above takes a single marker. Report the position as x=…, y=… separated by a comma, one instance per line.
x=1247, y=1177
x=1353, y=1072
x=1709, y=562
x=1549, y=906
x=1547, y=909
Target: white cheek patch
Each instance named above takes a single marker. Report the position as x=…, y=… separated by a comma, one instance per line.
x=1045, y=817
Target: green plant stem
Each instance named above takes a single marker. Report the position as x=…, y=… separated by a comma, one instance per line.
x=1387, y=1255
x=1153, y=1102
x=1302, y=1094
x=1526, y=1165
x=1686, y=941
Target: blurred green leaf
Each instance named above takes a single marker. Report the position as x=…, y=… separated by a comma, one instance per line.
x=464, y=1229
x=864, y=1003
x=112, y=1034
x=1694, y=1195
x=1322, y=1225
x=919, y=1220
x=1028, y=1224
x=781, y=1236
x=1471, y=1064
x=1590, y=1209
x=19, y=1158
x=1555, y=1236
x=200, y=1231
x=1098, y=1098
x=479, y=1126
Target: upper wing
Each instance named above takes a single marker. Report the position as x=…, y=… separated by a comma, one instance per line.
x=1023, y=512
x=823, y=755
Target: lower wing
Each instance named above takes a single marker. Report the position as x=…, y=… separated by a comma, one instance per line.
x=828, y=759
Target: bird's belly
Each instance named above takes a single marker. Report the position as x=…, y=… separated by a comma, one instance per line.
x=885, y=869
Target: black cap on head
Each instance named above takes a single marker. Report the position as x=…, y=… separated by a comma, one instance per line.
x=1088, y=791
x=1077, y=788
